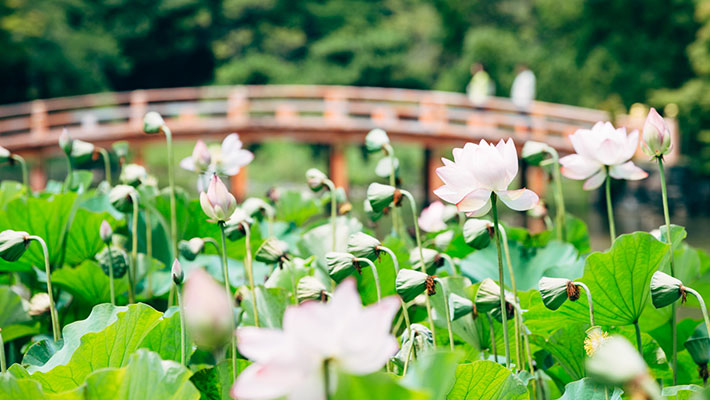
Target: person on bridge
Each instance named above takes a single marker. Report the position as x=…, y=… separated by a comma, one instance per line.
x=481, y=85
x=522, y=93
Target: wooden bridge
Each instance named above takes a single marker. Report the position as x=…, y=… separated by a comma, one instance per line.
x=334, y=115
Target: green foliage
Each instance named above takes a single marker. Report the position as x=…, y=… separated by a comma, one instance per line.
x=588, y=389
x=486, y=380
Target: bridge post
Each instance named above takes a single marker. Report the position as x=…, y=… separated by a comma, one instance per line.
x=238, y=106
x=432, y=161
x=338, y=166
x=240, y=184
x=38, y=176
x=38, y=118
x=138, y=108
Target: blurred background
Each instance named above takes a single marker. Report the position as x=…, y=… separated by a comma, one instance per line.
x=603, y=54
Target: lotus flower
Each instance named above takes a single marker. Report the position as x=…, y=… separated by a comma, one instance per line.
x=432, y=218
x=217, y=203
x=290, y=362
x=105, y=232
x=479, y=170
x=598, y=149
x=656, y=135
x=208, y=312
x=200, y=159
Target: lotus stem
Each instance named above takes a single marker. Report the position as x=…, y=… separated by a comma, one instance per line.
x=395, y=265
x=107, y=163
x=559, y=198
x=171, y=182
x=638, y=337
x=418, y=237
x=249, y=269
x=509, y=263
x=609, y=209
x=589, y=300
x=3, y=362
x=326, y=378
x=183, y=334
x=389, y=151
x=674, y=310
x=375, y=275
x=501, y=278
x=112, y=290
x=493, y=337
x=445, y=293
x=52, y=306
x=132, y=277
x=409, y=352
x=454, y=269
x=333, y=212
x=702, y=306
x=229, y=297
x=25, y=174
x=68, y=180
x=148, y=250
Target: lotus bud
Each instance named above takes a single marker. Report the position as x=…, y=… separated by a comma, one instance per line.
x=665, y=289
x=201, y=156
x=208, y=310
x=656, y=135
x=121, y=149
x=554, y=291
x=121, y=198
x=133, y=174
x=488, y=296
x=381, y=196
x=340, y=265
x=362, y=245
x=376, y=140
x=432, y=259
x=383, y=169
x=234, y=229
x=535, y=152
x=39, y=304
x=81, y=151
x=410, y=283
x=66, y=142
x=152, y=122
x=273, y=251
x=176, y=272
x=119, y=258
x=617, y=363
x=105, y=232
x=460, y=306
x=477, y=232
x=4, y=155
x=420, y=337
x=442, y=240
x=310, y=288
x=257, y=208
x=190, y=249
x=315, y=179
x=218, y=204
x=13, y=244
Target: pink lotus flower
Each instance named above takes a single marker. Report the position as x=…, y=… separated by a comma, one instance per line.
x=290, y=363
x=479, y=170
x=598, y=149
x=208, y=310
x=200, y=159
x=656, y=135
x=432, y=218
x=217, y=203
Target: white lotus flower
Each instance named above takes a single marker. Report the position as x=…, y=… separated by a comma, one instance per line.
x=290, y=363
x=479, y=170
x=598, y=149
x=200, y=159
x=208, y=311
x=432, y=218
x=230, y=157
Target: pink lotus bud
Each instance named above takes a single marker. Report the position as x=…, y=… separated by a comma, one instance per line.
x=201, y=156
x=176, y=272
x=656, y=135
x=217, y=203
x=208, y=310
x=105, y=232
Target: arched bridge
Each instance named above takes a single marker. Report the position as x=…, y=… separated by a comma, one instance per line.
x=334, y=115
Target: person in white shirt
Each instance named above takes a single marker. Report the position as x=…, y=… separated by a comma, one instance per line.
x=522, y=93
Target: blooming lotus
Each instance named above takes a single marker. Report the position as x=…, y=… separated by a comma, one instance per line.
x=208, y=312
x=199, y=160
x=217, y=203
x=656, y=135
x=432, y=218
x=601, y=150
x=477, y=171
x=338, y=334
x=226, y=159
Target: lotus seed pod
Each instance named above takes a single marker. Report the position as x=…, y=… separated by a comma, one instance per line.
x=152, y=122
x=420, y=337
x=442, y=240
x=460, y=306
x=234, y=229
x=383, y=169
x=553, y=291
x=362, y=245
x=535, y=152
x=311, y=288
x=190, y=249
x=488, y=296
x=376, y=140
x=371, y=214
x=698, y=345
x=665, y=289
x=121, y=198
x=381, y=196
x=119, y=259
x=340, y=265
x=432, y=259
x=176, y=272
x=315, y=179
x=272, y=251
x=133, y=174
x=477, y=232
x=105, y=232
x=81, y=152
x=13, y=244
x=257, y=208
x=410, y=283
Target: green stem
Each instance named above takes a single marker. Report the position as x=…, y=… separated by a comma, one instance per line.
x=409, y=353
x=509, y=263
x=445, y=293
x=25, y=174
x=229, y=297
x=418, y=237
x=333, y=212
x=52, y=306
x=674, y=316
x=389, y=151
x=395, y=264
x=501, y=279
x=609, y=209
x=110, y=275
x=107, y=163
x=132, y=273
x=702, y=306
x=454, y=269
x=559, y=199
x=375, y=275
x=493, y=337
x=183, y=337
x=171, y=181
x=326, y=378
x=638, y=338
x=250, y=270
x=148, y=250
x=589, y=300
x=68, y=180
x=3, y=363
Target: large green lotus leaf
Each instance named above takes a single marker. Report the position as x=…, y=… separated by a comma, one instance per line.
x=108, y=348
x=164, y=338
x=681, y=392
x=144, y=376
x=9, y=191
x=486, y=380
x=433, y=372
x=319, y=240
x=12, y=310
x=13, y=388
x=589, y=390
x=214, y=383
x=464, y=327
x=619, y=281
x=566, y=346
x=385, y=269
x=556, y=259
x=377, y=386
x=270, y=304
x=296, y=207
x=88, y=283
x=41, y=351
